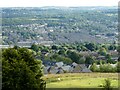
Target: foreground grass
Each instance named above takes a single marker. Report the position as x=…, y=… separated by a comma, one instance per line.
x=80, y=80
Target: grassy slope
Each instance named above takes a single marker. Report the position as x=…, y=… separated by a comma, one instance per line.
x=80, y=80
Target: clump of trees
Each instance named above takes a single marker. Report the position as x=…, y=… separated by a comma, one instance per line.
x=74, y=56
x=81, y=53
x=105, y=67
x=21, y=71
x=58, y=58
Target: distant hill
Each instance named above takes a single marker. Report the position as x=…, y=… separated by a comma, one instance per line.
x=60, y=24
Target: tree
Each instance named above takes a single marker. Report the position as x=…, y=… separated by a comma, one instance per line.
x=61, y=52
x=119, y=58
x=107, y=68
x=101, y=67
x=112, y=47
x=118, y=67
x=102, y=51
x=66, y=60
x=118, y=49
x=1, y=69
x=55, y=47
x=82, y=61
x=100, y=61
x=35, y=47
x=21, y=70
x=89, y=60
x=110, y=68
x=59, y=58
x=108, y=57
x=94, y=67
x=90, y=46
x=75, y=57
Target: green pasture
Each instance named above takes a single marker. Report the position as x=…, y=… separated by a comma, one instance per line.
x=80, y=80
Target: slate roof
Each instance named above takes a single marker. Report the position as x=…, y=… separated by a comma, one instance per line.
x=80, y=68
x=60, y=71
x=45, y=69
x=52, y=70
x=59, y=64
x=74, y=64
x=61, y=68
x=76, y=69
x=66, y=68
x=86, y=70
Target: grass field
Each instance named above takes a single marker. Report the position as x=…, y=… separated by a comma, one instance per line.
x=80, y=80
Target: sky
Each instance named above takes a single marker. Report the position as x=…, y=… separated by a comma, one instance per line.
x=66, y=3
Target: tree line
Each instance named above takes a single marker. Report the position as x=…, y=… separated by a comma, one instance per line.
x=76, y=52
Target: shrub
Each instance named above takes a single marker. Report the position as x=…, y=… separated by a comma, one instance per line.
x=94, y=68
x=107, y=84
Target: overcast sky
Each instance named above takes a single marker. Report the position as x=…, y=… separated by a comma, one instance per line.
x=67, y=3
